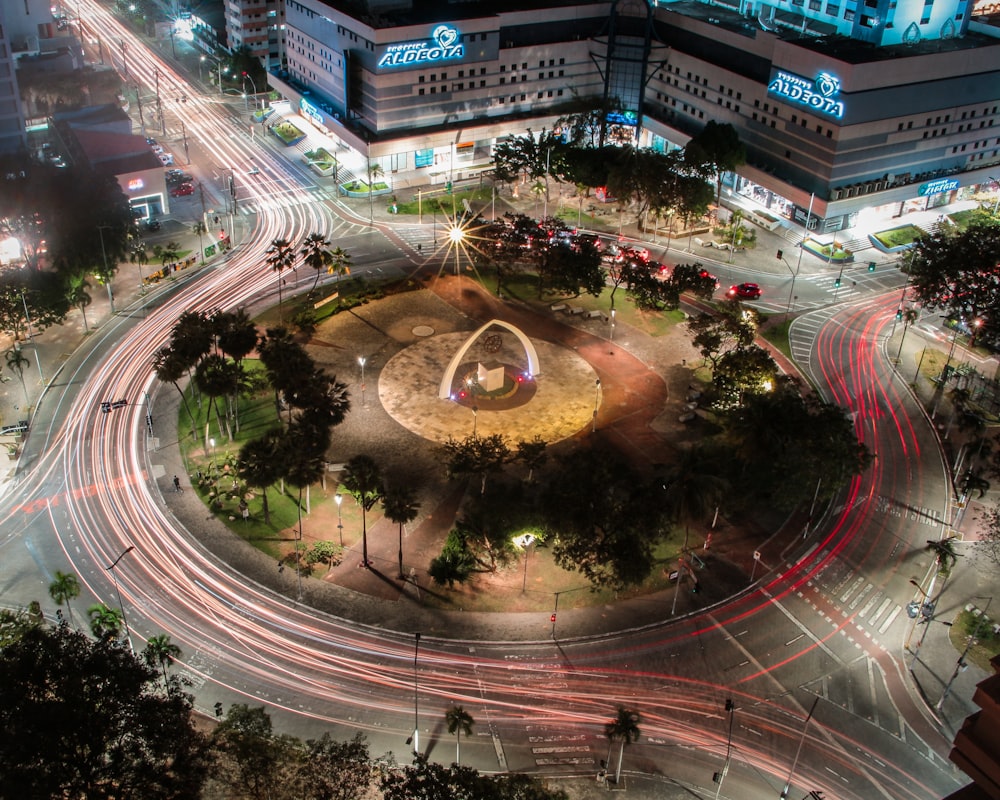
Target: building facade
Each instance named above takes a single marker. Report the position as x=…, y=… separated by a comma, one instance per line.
x=12, y=134
x=835, y=127
x=257, y=25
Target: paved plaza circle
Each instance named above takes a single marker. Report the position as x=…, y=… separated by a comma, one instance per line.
x=555, y=404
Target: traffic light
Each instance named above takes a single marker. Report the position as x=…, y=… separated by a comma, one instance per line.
x=899, y=315
x=836, y=282
x=244, y=73
x=780, y=255
x=552, y=619
x=871, y=266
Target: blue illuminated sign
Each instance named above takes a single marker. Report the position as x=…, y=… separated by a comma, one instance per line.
x=309, y=110
x=819, y=94
x=424, y=158
x=445, y=44
x=938, y=186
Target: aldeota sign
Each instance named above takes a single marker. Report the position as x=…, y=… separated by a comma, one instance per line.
x=819, y=94
x=444, y=45
x=936, y=187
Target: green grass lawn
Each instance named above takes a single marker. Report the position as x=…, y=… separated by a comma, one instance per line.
x=899, y=237
x=287, y=132
x=824, y=251
x=987, y=642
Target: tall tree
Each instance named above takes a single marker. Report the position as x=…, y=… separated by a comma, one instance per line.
x=624, y=729
x=77, y=292
x=18, y=362
x=161, y=652
x=316, y=254
x=399, y=504
x=280, y=256
x=83, y=718
x=716, y=149
x=692, y=490
x=459, y=721
x=477, y=456
x=105, y=622
x=65, y=587
x=363, y=480
x=955, y=271
x=260, y=465
x=170, y=368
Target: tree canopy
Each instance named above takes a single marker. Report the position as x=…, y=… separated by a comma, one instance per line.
x=958, y=272
x=86, y=718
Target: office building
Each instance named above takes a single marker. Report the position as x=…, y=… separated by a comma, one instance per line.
x=838, y=121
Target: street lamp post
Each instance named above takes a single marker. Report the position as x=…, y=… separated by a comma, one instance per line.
x=719, y=777
x=246, y=77
x=121, y=604
x=524, y=542
x=31, y=336
x=944, y=372
x=361, y=361
x=338, y=498
x=415, y=738
x=597, y=402
x=107, y=275
x=798, y=752
x=960, y=665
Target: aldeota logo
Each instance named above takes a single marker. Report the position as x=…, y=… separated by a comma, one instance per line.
x=444, y=45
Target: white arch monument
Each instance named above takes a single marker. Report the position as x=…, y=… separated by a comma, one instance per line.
x=444, y=390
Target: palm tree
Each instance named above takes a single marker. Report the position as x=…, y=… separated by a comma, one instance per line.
x=945, y=557
x=374, y=171
x=340, y=263
x=17, y=361
x=625, y=728
x=199, y=229
x=691, y=490
x=167, y=252
x=77, y=294
x=363, y=479
x=105, y=622
x=259, y=465
x=280, y=256
x=400, y=506
x=316, y=253
x=459, y=721
x=63, y=589
x=160, y=650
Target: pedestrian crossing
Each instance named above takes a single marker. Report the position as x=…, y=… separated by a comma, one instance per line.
x=855, y=596
x=552, y=749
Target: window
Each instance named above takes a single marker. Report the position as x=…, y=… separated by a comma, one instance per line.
x=420, y=92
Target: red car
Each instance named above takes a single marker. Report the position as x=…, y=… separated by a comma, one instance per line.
x=745, y=291
x=183, y=189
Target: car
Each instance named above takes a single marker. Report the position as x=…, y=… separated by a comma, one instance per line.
x=150, y=140
x=152, y=224
x=178, y=176
x=158, y=149
x=745, y=291
x=182, y=190
x=253, y=171
x=166, y=159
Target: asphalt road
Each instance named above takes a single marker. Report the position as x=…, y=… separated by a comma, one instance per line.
x=821, y=630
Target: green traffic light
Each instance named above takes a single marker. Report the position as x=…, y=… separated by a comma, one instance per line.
x=871, y=266
x=837, y=283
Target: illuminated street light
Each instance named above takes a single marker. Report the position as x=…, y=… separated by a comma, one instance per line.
x=121, y=605
x=524, y=542
x=415, y=738
x=597, y=402
x=361, y=361
x=960, y=665
x=338, y=498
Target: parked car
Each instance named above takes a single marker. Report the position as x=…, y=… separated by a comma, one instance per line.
x=182, y=190
x=178, y=176
x=745, y=291
x=166, y=159
x=152, y=224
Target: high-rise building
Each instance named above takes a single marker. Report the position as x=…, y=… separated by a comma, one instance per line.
x=257, y=25
x=12, y=136
x=839, y=120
